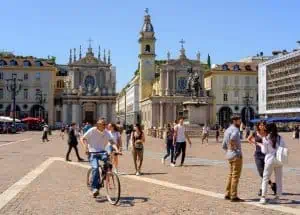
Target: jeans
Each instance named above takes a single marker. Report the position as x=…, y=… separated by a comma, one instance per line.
x=180, y=147
x=170, y=150
x=260, y=165
x=234, y=175
x=272, y=165
x=94, y=162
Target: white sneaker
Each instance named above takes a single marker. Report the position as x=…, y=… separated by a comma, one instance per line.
x=163, y=161
x=116, y=171
x=172, y=164
x=263, y=200
x=138, y=174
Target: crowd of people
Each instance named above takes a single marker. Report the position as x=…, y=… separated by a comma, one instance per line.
x=107, y=137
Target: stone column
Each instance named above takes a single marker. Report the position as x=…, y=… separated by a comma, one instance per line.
x=75, y=113
x=174, y=112
x=168, y=83
x=104, y=111
x=113, y=113
x=99, y=111
x=65, y=113
x=161, y=80
x=161, y=114
x=174, y=82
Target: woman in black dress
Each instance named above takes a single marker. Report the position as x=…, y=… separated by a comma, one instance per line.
x=254, y=138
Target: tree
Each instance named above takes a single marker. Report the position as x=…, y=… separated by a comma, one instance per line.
x=208, y=61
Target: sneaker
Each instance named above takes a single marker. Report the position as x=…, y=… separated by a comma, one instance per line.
x=263, y=200
x=80, y=160
x=68, y=160
x=116, y=171
x=227, y=197
x=95, y=193
x=237, y=199
x=163, y=161
x=172, y=164
x=138, y=174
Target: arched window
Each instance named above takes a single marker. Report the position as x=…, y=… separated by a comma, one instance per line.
x=147, y=48
x=3, y=63
x=26, y=63
x=248, y=67
x=225, y=67
x=38, y=63
x=236, y=67
x=13, y=63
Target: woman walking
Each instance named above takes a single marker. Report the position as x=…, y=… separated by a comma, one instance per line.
x=116, y=136
x=269, y=147
x=255, y=139
x=138, y=141
x=169, y=144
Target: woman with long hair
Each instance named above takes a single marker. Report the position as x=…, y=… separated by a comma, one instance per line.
x=269, y=147
x=138, y=141
x=259, y=157
x=114, y=131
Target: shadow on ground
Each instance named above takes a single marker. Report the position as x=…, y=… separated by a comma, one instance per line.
x=128, y=201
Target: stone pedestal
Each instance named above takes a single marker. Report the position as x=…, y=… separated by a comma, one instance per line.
x=197, y=111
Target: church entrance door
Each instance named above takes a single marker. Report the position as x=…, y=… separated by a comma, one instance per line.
x=89, y=112
x=89, y=117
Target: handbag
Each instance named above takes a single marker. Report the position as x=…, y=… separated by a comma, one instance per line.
x=282, y=154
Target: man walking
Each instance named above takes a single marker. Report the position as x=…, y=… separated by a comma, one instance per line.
x=95, y=141
x=72, y=141
x=205, y=131
x=45, y=133
x=232, y=145
x=180, y=137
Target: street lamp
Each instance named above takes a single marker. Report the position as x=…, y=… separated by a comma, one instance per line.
x=41, y=98
x=247, y=101
x=13, y=85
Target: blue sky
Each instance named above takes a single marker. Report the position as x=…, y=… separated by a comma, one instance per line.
x=227, y=30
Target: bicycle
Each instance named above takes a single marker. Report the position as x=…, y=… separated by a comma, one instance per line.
x=108, y=180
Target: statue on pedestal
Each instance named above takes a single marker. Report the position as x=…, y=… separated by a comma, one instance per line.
x=194, y=84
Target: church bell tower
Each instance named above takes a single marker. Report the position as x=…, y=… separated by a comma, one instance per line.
x=146, y=57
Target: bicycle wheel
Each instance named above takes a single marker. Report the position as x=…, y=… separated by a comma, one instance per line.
x=112, y=187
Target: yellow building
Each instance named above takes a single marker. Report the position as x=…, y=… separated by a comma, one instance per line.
x=38, y=78
x=233, y=87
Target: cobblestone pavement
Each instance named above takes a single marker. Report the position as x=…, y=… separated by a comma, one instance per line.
x=61, y=189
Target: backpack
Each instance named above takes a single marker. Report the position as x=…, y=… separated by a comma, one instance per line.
x=282, y=154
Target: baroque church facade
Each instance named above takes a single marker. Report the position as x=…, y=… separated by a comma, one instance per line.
x=163, y=84
x=89, y=91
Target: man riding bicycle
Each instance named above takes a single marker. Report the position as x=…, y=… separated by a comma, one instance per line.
x=94, y=141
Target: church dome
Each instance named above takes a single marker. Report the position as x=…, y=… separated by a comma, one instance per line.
x=147, y=27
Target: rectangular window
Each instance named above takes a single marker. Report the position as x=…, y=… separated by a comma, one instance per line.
x=37, y=93
x=236, y=80
x=1, y=75
x=225, y=97
x=247, y=80
x=26, y=76
x=225, y=80
x=38, y=76
x=1, y=93
x=25, y=94
x=236, y=93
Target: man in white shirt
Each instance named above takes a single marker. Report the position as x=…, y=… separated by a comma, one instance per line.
x=205, y=131
x=94, y=142
x=179, y=141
